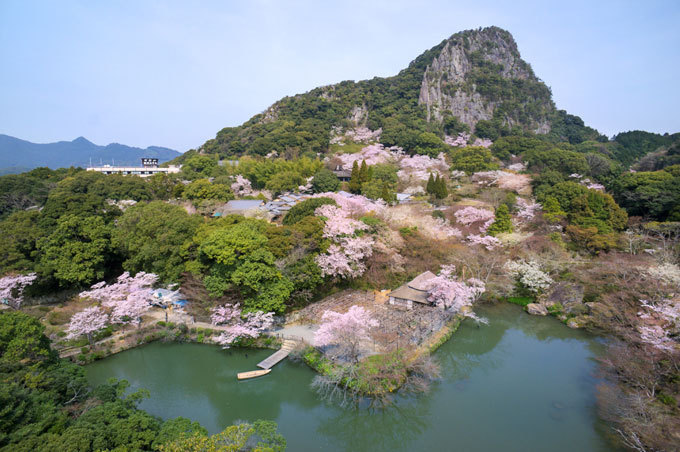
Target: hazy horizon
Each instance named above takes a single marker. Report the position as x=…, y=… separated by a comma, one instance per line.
x=172, y=74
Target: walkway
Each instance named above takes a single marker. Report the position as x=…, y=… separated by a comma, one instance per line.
x=279, y=355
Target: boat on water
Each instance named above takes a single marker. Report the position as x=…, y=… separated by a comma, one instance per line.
x=252, y=374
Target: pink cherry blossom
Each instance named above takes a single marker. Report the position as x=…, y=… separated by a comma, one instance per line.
x=337, y=222
x=128, y=298
x=419, y=167
x=250, y=325
x=344, y=333
x=353, y=205
x=460, y=141
x=12, y=288
x=86, y=323
x=470, y=215
x=447, y=292
x=486, y=241
x=372, y=154
x=526, y=210
x=242, y=186
x=483, y=142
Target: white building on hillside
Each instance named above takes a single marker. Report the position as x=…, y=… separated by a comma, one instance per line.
x=149, y=168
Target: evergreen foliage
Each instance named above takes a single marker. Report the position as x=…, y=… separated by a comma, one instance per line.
x=502, y=222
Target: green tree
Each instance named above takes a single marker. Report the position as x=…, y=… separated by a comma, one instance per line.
x=77, y=252
x=441, y=192
x=152, y=236
x=355, y=179
x=472, y=159
x=304, y=209
x=18, y=247
x=260, y=436
x=161, y=186
x=429, y=144
x=325, y=181
x=363, y=172
x=430, y=185
x=387, y=194
x=203, y=189
x=502, y=222
x=237, y=255
x=285, y=181
x=198, y=167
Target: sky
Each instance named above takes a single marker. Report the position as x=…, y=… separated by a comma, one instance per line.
x=173, y=73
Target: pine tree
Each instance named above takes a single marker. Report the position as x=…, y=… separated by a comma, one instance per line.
x=442, y=191
x=386, y=194
x=355, y=180
x=439, y=188
x=363, y=172
x=502, y=223
x=430, y=185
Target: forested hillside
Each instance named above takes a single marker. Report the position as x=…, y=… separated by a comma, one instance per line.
x=475, y=81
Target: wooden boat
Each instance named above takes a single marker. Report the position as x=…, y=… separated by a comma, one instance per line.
x=252, y=374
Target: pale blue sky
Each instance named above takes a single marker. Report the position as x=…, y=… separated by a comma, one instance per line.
x=172, y=73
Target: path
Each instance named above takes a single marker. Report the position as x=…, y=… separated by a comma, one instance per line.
x=302, y=333
x=279, y=355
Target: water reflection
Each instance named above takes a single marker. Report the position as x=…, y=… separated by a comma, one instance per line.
x=391, y=428
x=517, y=375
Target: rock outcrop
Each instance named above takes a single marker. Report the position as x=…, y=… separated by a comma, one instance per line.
x=569, y=295
x=479, y=73
x=537, y=309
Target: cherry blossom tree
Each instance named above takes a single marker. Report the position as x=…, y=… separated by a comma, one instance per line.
x=344, y=333
x=529, y=274
x=86, y=323
x=242, y=186
x=470, y=215
x=503, y=179
x=12, y=288
x=372, y=154
x=487, y=241
x=660, y=322
x=128, y=298
x=483, y=142
x=344, y=257
x=526, y=210
x=250, y=325
x=353, y=205
x=447, y=292
x=460, y=141
x=419, y=167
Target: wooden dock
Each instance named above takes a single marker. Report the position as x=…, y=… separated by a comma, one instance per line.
x=278, y=356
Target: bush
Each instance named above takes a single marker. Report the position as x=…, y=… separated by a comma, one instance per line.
x=522, y=301
x=58, y=317
x=304, y=209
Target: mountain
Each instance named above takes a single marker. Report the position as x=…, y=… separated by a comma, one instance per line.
x=19, y=155
x=475, y=81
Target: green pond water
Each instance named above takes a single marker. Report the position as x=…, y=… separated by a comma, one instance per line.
x=521, y=383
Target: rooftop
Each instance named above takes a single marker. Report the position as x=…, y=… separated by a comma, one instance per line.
x=416, y=289
x=243, y=204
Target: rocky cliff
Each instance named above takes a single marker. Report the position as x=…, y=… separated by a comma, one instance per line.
x=475, y=79
x=476, y=73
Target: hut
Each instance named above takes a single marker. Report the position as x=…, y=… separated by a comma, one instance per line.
x=414, y=291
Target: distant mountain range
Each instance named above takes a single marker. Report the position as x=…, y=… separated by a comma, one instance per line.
x=18, y=155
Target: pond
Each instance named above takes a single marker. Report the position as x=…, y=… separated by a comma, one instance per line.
x=521, y=383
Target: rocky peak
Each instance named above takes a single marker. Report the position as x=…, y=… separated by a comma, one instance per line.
x=474, y=74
